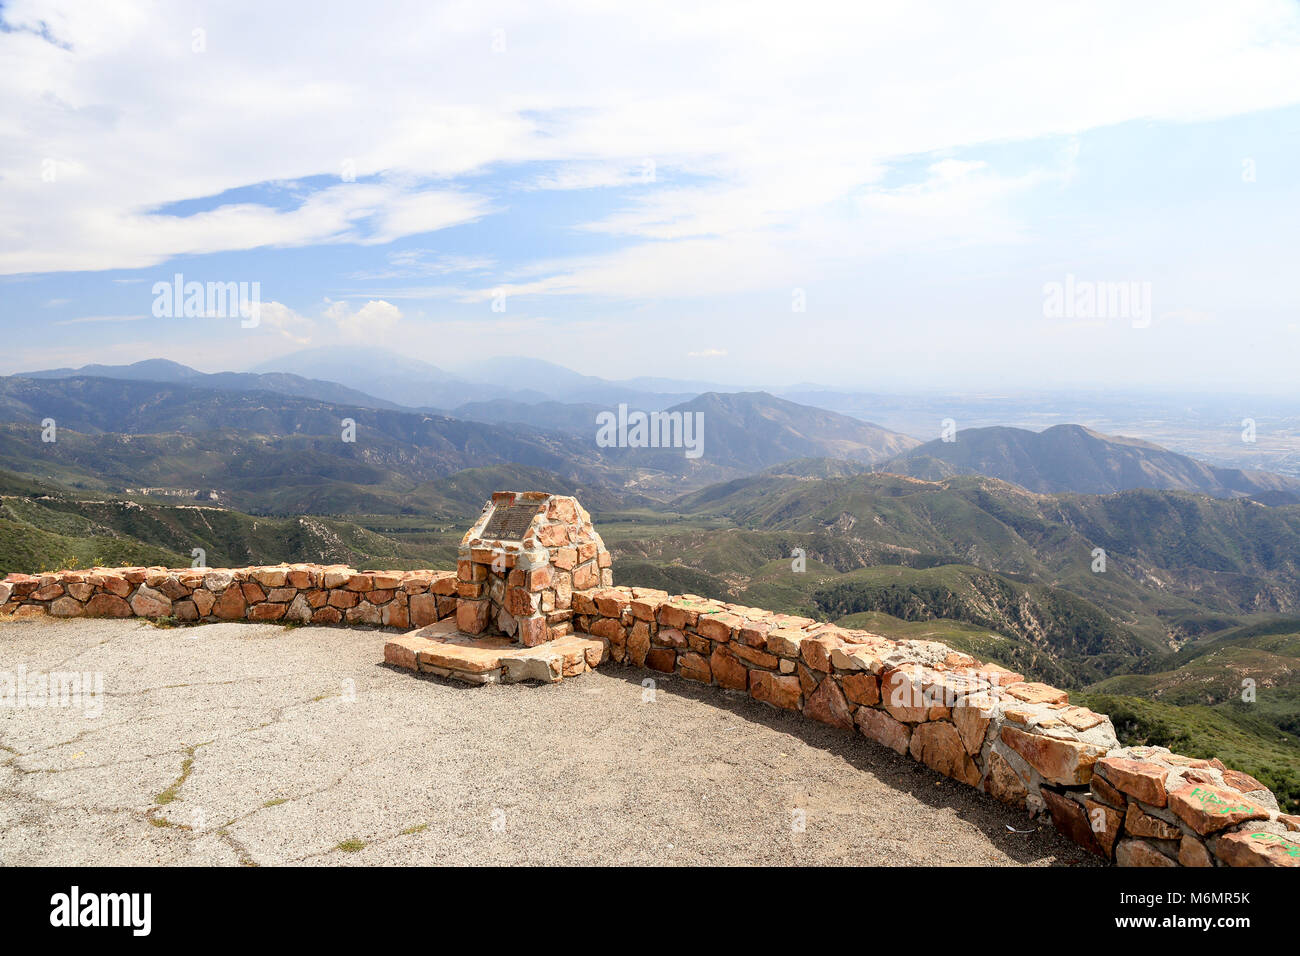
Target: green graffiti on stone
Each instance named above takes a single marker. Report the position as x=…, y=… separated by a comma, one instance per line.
x=1211, y=802
x=1291, y=846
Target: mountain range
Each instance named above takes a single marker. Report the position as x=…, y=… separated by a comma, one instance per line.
x=1074, y=458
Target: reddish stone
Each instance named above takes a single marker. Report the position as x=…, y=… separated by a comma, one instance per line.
x=533, y=631
x=173, y=588
x=676, y=614
x=266, y=612
x=203, y=600
x=66, y=607
x=728, y=671
x=816, y=652
x=1242, y=781
x=114, y=584
x=883, y=729
x=827, y=704
x=363, y=613
x=783, y=692
x=718, y=627
x=327, y=615
x=1003, y=783
x=1140, y=824
x=344, y=599
x=693, y=666
x=754, y=656
x=299, y=579
x=1067, y=762
x=185, y=610
x=937, y=745
x=669, y=637
x=107, y=605
x=1140, y=853
x=146, y=602
x=1192, y=852
x=586, y=576
x=611, y=630
x=972, y=716
x=638, y=646
x=1035, y=693
x=901, y=695
x=521, y=603
x=646, y=608
x=1072, y=820
x=1105, y=823
x=335, y=578
x=862, y=689
x=782, y=641
x=270, y=577
x=423, y=609
x=230, y=605
x=471, y=616
x=1103, y=792
x=1208, y=809
x=396, y=614
x=610, y=602
x=661, y=659
x=1139, y=778
x=1258, y=848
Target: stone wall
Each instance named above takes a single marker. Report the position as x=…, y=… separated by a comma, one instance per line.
x=1021, y=742
x=303, y=593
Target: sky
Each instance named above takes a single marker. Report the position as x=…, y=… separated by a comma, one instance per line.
x=865, y=195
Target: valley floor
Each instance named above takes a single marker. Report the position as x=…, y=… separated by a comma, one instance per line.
x=233, y=744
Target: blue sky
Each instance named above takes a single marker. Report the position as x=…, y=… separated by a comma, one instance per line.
x=653, y=191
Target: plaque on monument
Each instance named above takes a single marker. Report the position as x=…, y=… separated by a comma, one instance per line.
x=509, y=522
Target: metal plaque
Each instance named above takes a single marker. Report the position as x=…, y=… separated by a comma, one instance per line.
x=509, y=522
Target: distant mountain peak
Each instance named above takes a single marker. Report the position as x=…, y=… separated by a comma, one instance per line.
x=1074, y=458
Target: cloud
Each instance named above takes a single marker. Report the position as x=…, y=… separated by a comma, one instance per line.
x=411, y=263
x=770, y=129
x=286, y=322
x=371, y=322
x=85, y=319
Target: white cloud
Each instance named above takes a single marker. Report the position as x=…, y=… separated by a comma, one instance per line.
x=285, y=321
x=409, y=263
x=769, y=126
x=370, y=323
x=87, y=319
